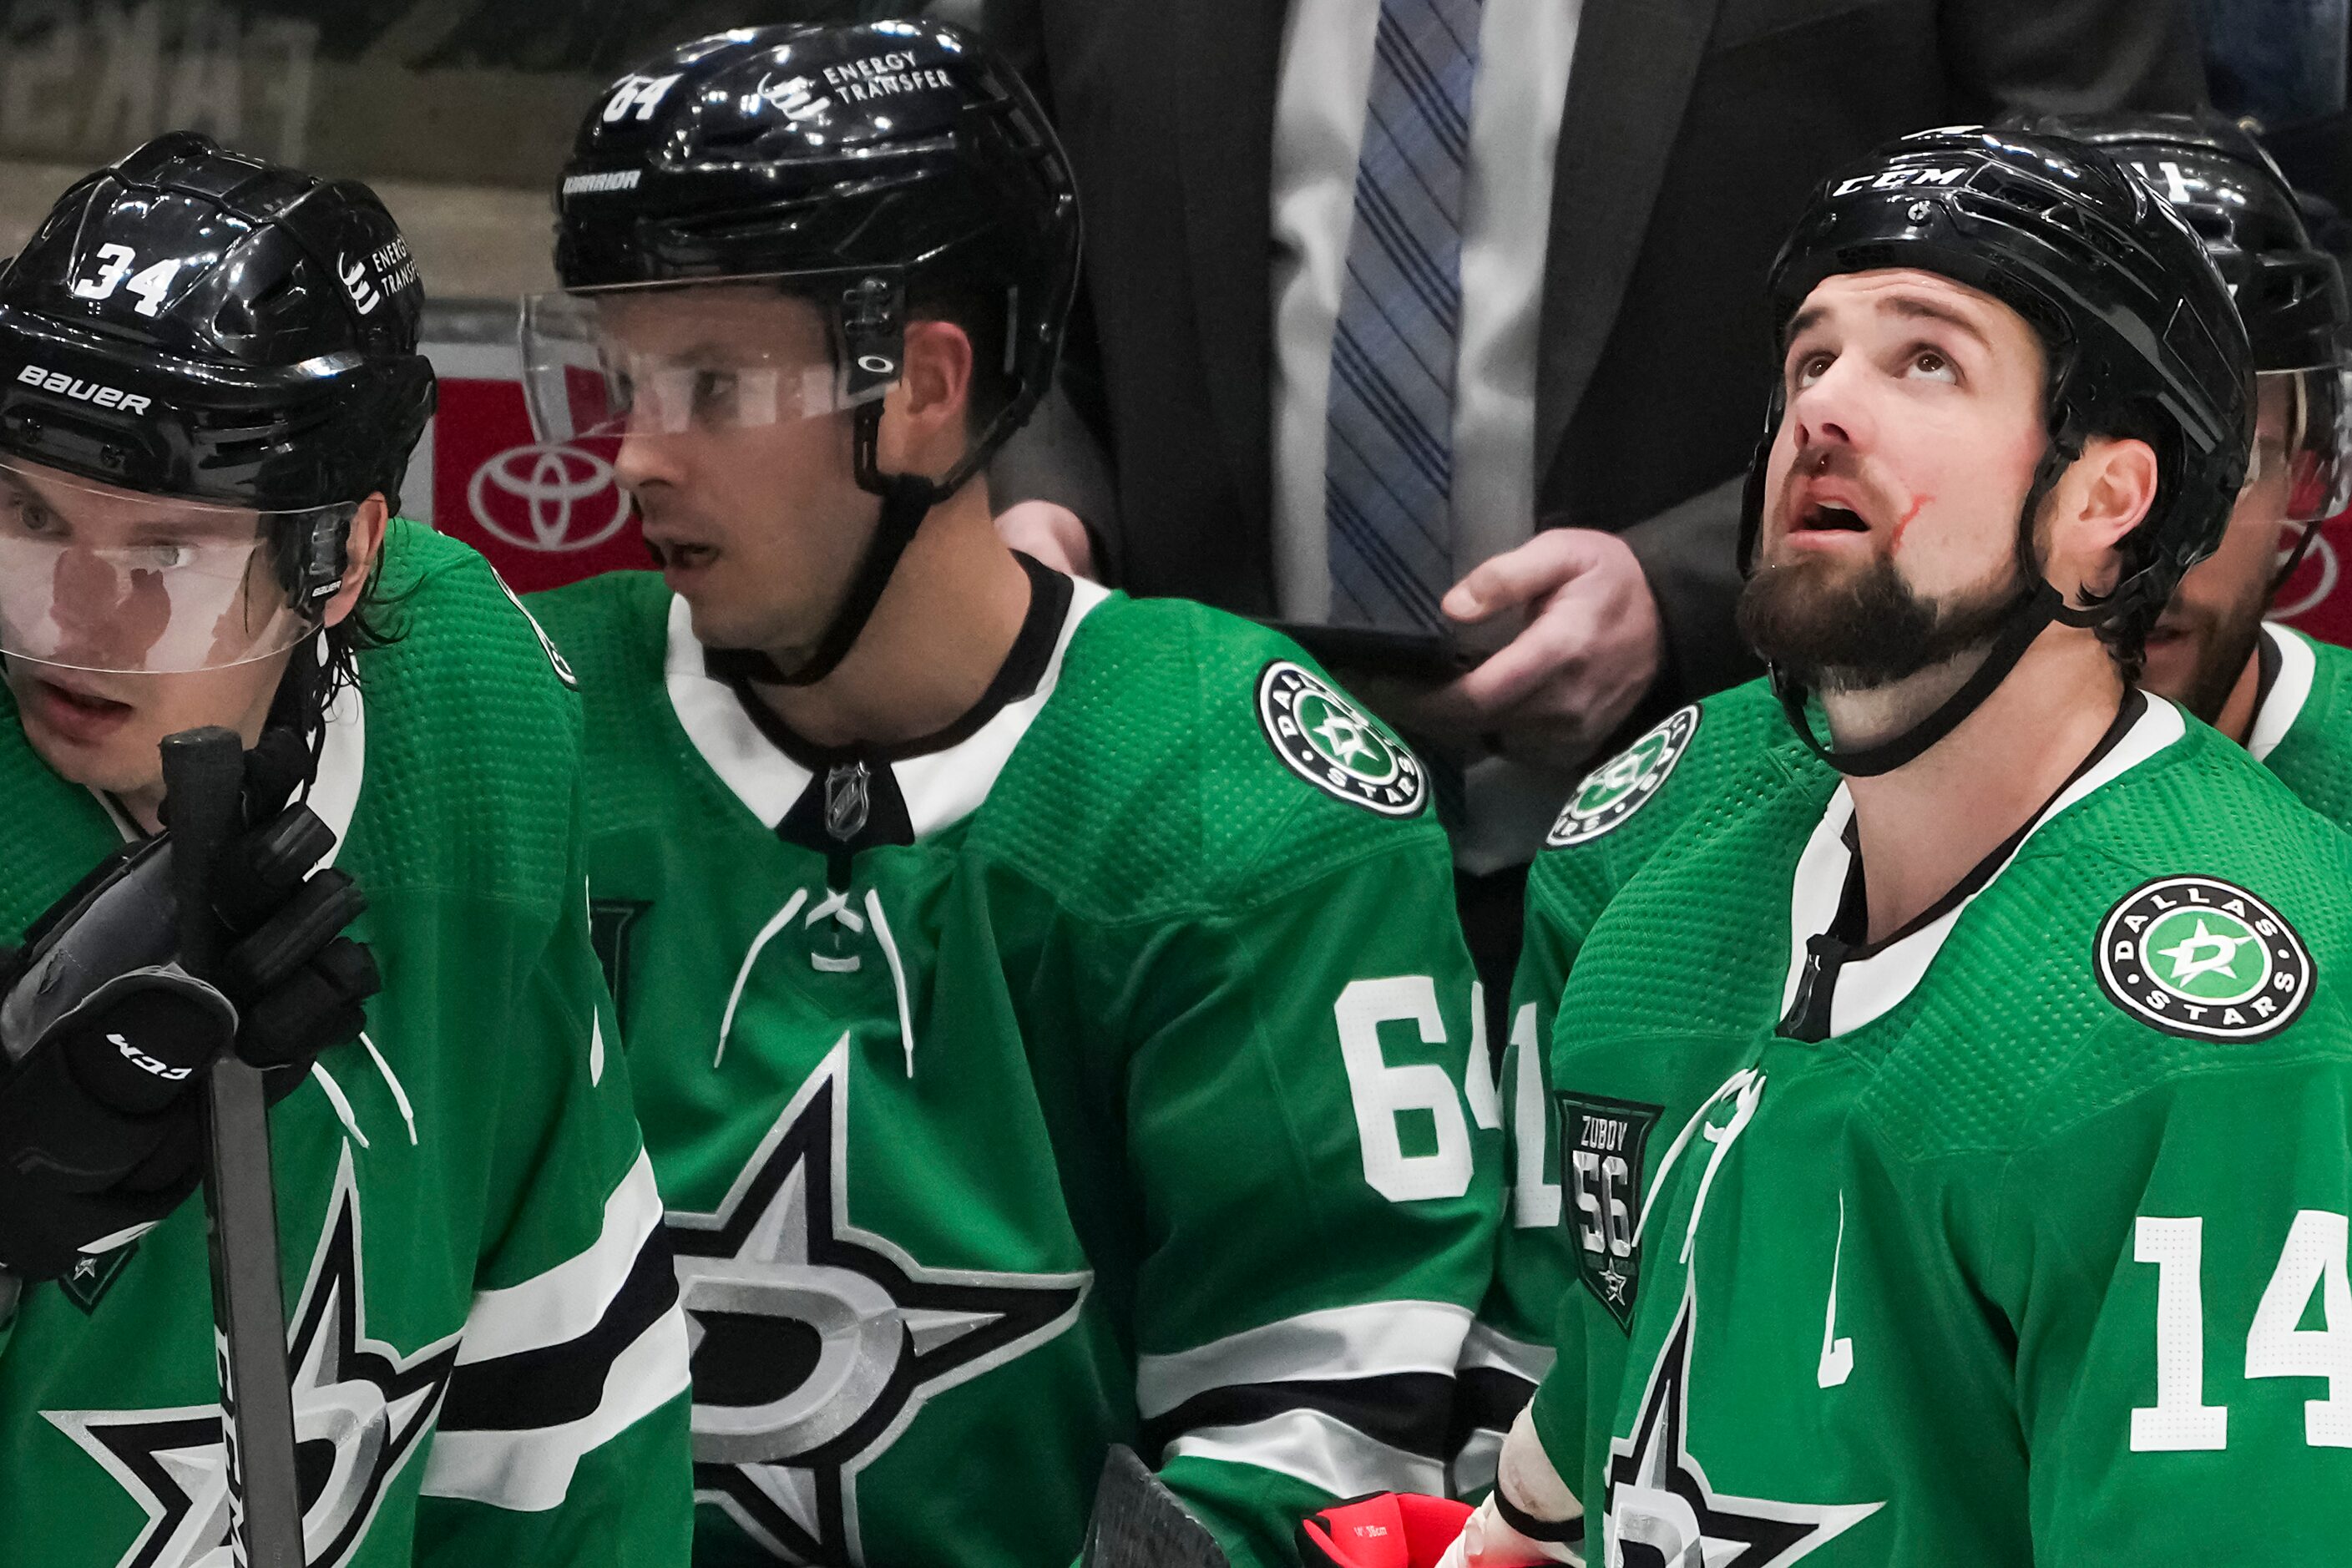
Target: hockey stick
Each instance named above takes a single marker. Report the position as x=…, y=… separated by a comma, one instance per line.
x=1138, y=1523
x=203, y=775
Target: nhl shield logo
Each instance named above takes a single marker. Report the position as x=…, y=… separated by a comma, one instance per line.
x=2204, y=959
x=1329, y=741
x=1621, y=786
x=1602, y=1142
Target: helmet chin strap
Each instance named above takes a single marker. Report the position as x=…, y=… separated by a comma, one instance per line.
x=2035, y=609
x=907, y=499
x=2303, y=544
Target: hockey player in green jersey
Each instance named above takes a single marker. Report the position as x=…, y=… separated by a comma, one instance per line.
x=1709, y=760
x=2018, y=1135
x=2284, y=697
x=209, y=385
x=1046, y=1012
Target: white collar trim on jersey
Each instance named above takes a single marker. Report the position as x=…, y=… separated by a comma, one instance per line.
x=2283, y=704
x=1869, y=988
x=335, y=794
x=941, y=787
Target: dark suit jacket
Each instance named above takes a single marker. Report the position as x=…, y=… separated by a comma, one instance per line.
x=1693, y=132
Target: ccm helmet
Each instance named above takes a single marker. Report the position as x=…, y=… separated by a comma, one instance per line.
x=872, y=169
x=236, y=338
x=2139, y=335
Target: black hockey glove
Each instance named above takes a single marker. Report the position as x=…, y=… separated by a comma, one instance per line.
x=298, y=983
x=106, y=1037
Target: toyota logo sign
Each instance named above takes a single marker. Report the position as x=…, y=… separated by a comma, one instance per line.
x=545, y=513
x=546, y=496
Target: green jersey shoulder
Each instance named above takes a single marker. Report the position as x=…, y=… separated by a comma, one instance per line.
x=2302, y=728
x=488, y=1359
x=988, y=1015
x=1985, y=1159
x=1625, y=810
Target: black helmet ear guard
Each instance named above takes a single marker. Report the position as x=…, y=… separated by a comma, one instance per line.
x=867, y=168
x=2138, y=329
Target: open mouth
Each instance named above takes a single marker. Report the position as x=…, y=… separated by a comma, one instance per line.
x=1827, y=517
x=673, y=553
x=84, y=701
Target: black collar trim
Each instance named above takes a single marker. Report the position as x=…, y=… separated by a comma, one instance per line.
x=1025, y=666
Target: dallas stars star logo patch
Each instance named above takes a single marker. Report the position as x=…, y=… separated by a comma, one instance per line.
x=2201, y=958
x=815, y=1344
x=1662, y=1509
x=362, y=1411
x=1328, y=741
x=1621, y=786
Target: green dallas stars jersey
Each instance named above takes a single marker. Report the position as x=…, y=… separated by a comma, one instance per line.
x=2302, y=728
x=2022, y=1239
x=1620, y=816
x=1099, y=1070
x=489, y=1364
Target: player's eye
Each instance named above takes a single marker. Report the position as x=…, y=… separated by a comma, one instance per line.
x=1933, y=365
x=30, y=519
x=1808, y=368
x=713, y=392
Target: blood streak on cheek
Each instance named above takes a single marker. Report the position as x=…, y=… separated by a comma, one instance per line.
x=1919, y=504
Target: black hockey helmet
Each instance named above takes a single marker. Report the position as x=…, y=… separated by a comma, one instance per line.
x=2139, y=329
x=269, y=317
x=196, y=324
x=871, y=168
x=2289, y=291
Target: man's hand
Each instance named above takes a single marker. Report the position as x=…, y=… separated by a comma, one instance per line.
x=1530, y=1519
x=1051, y=534
x=1589, y=647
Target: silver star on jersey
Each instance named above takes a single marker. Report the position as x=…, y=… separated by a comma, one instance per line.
x=362, y=1411
x=1662, y=1511
x=815, y=1343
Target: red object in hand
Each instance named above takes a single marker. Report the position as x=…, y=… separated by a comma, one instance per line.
x=1387, y=1530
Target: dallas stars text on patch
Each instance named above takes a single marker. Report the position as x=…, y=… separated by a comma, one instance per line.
x=1622, y=785
x=1329, y=741
x=2204, y=959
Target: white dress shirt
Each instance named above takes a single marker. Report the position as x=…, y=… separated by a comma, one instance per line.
x=1524, y=48
x=1519, y=89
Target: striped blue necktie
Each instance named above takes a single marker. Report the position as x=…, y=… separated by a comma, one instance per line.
x=1389, y=468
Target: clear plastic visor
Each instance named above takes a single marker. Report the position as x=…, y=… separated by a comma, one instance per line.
x=674, y=359
x=2302, y=439
x=103, y=579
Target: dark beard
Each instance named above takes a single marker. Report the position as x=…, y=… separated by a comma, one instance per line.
x=2223, y=647
x=1866, y=628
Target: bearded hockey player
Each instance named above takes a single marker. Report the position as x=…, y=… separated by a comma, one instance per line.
x=1046, y=1008
x=211, y=386
x=1918, y=1087
x=2282, y=696
x=2287, y=699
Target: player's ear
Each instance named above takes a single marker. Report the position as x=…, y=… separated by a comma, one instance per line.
x=924, y=432
x=2106, y=494
x=361, y=545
